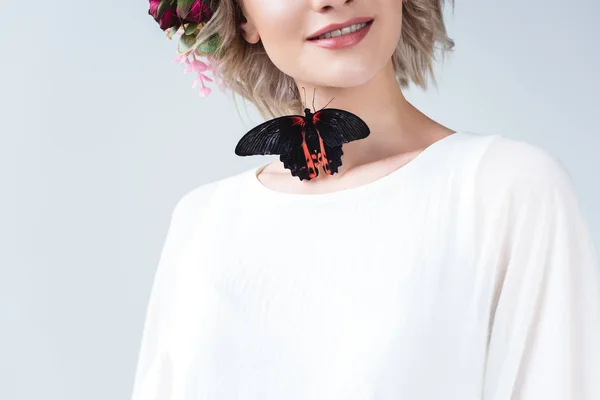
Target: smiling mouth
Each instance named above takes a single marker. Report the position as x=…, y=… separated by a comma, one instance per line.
x=342, y=32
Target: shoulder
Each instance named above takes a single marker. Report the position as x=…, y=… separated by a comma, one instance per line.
x=516, y=166
x=519, y=187
x=199, y=198
x=195, y=199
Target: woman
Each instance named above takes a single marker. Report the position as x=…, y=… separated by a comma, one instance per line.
x=436, y=264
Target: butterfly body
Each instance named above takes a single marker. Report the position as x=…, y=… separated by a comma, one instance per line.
x=312, y=152
x=307, y=142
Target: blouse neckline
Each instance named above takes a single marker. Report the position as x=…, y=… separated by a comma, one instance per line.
x=356, y=191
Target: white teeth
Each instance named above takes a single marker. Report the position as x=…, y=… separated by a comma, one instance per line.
x=343, y=31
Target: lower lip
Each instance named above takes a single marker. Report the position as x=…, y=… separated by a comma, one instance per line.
x=343, y=41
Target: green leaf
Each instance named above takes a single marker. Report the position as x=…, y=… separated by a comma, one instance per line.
x=185, y=6
x=191, y=28
x=163, y=7
x=211, y=45
x=186, y=42
x=173, y=31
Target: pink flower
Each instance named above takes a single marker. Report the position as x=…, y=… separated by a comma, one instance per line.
x=213, y=68
x=180, y=17
x=196, y=66
x=200, y=68
x=205, y=90
x=181, y=58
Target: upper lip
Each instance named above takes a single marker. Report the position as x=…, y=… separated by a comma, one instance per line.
x=332, y=27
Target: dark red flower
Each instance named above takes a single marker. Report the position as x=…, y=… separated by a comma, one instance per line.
x=198, y=12
x=153, y=8
x=169, y=19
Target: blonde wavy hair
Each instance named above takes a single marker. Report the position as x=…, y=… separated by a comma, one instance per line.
x=248, y=71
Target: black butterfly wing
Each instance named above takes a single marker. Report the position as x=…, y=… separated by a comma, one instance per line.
x=337, y=127
x=277, y=136
x=331, y=158
x=299, y=164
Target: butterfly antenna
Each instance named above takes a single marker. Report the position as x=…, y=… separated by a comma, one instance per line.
x=296, y=96
x=304, y=90
x=327, y=103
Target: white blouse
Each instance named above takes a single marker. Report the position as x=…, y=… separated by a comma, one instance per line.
x=468, y=273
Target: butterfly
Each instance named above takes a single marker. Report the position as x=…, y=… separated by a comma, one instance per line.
x=305, y=143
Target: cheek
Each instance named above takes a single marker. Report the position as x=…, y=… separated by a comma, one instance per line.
x=274, y=9
x=279, y=20
x=283, y=39
x=279, y=23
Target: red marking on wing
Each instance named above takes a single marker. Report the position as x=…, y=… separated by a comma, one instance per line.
x=323, y=160
x=297, y=121
x=316, y=117
x=312, y=168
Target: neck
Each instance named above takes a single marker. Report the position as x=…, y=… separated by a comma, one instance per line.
x=396, y=126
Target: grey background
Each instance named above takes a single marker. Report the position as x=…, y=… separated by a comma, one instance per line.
x=101, y=133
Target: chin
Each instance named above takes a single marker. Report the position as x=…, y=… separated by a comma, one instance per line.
x=348, y=77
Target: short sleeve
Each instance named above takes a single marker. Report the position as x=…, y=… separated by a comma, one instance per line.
x=154, y=373
x=544, y=340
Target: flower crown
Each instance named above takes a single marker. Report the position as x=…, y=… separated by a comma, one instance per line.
x=186, y=18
